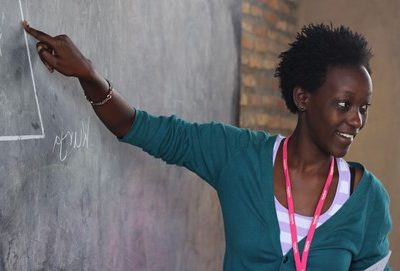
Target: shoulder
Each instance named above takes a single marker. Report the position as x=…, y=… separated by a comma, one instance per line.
x=361, y=173
x=363, y=177
x=376, y=200
x=378, y=204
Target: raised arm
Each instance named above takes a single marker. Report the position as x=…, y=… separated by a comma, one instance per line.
x=60, y=53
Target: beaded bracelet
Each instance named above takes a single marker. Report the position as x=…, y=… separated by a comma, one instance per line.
x=106, y=99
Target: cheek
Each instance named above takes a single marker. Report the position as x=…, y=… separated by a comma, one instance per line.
x=330, y=120
x=323, y=123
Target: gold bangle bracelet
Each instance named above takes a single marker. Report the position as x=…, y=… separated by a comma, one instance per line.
x=106, y=99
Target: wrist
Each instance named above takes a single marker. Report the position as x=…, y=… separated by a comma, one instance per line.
x=89, y=74
x=91, y=78
x=95, y=87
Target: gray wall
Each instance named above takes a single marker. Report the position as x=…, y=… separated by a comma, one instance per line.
x=74, y=198
x=378, y=145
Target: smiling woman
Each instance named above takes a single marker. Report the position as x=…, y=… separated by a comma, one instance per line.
x=338, y=110
x=325, y=80
x=279, y=197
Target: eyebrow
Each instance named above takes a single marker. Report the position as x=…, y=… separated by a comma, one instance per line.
x=351, y=93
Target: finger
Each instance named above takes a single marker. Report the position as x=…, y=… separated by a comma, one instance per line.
x=39, y=35
x=40, y=46
x=48, y=58
x=50, y=68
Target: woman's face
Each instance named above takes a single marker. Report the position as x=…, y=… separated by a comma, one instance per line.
x=338, y=110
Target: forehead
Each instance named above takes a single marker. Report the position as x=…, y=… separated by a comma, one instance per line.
x=349, y=81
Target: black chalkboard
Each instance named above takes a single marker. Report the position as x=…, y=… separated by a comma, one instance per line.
x=71, y=196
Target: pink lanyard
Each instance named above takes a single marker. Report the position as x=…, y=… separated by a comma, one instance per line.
x=301, y=264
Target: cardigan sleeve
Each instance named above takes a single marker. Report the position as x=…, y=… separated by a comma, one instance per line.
x=378, y=225
x=202, y=148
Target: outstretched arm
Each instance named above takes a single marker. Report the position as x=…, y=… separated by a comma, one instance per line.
x=202, y=148
x=60, y=53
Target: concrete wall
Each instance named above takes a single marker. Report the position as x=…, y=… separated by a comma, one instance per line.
x=378, y=146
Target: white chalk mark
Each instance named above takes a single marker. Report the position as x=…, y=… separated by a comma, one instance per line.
x=1, y=35
x=27, y=137
x=33, y=78
x=69, y=139
x=22, y=137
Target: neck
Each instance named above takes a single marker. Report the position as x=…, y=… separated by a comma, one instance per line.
x=305, y=155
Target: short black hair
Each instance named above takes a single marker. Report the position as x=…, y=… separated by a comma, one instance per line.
x=318, y=47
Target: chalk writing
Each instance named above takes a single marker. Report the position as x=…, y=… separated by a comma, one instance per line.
x=71, y=140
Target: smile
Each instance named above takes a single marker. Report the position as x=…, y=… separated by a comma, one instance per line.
x=347, y=136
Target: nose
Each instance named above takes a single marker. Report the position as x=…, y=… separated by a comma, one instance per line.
x=356, y=119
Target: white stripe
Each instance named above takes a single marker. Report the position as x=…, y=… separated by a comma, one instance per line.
x=287, y=238
x=301, y=221
x=341, y=163
x=282, y=216
x=344, y=187
x=21, y=137
x=334, y=209
x=276, y=146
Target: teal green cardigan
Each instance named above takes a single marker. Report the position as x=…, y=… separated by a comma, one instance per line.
x=238, y=164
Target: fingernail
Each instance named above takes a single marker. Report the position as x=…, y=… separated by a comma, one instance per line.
x=25, y=24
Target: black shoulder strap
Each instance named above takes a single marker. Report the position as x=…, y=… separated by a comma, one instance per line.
x=352, y=176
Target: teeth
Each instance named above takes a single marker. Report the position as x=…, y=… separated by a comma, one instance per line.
x=351, y=137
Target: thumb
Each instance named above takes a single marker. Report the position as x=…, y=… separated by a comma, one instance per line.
x=48, y=58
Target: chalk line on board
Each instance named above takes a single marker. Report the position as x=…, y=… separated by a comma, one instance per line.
x=28, y=137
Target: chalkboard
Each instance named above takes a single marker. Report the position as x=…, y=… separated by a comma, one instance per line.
x=19, y=111
x=71, y=196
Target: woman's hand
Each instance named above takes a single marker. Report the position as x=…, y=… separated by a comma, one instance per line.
x=60, y=53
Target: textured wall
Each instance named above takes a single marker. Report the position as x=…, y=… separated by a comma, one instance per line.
x=78, y=199
x=378, y=146
x=267, y=28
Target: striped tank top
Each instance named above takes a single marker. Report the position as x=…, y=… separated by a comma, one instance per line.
x=303, y=222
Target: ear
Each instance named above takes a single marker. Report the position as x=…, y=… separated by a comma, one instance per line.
x=301, y=98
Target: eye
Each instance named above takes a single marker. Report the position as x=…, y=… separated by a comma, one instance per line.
x=364, y=108
x=343, y=105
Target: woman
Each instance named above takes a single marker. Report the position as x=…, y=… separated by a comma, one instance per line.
x=287, y=204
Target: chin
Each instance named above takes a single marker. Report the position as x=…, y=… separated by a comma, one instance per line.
x=339, y=153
